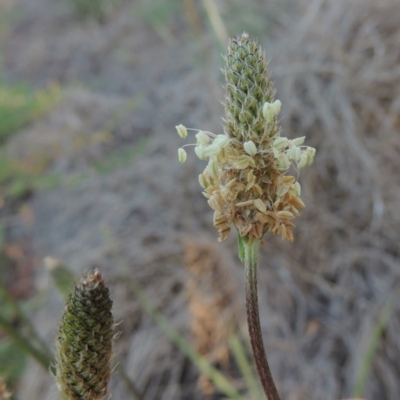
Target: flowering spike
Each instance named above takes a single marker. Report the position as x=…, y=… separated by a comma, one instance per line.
x=246, y=179
x=85, y=340
x=247, y=88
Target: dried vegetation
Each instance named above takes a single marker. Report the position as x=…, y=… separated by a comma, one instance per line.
x=336, y=67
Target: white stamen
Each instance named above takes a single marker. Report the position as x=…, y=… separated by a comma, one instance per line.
x=182, y=155
x=221, y=141
x=280, y=143
x=199, y=150
x=303, y=160
x=182, y=131
x=271, y=109
x=310, y=155
x=202, y=138
x=298, y=141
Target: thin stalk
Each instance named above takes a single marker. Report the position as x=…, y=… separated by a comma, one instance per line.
x=253, y=320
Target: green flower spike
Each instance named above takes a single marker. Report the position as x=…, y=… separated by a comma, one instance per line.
x=84, y=344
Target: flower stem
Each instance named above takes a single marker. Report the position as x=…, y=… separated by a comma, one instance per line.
x=253, y=318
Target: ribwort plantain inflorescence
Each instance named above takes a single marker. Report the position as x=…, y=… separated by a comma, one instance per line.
x=246, y=181
x=84, y=344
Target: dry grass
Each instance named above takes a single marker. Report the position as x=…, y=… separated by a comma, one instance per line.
x=210, y=293
x=336, y=65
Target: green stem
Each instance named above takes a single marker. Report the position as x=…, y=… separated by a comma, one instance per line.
x=253, y=319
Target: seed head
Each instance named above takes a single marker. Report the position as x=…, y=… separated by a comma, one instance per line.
x=246, y=181
x=84, y=343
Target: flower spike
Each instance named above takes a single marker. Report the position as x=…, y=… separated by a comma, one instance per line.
x=251, y=152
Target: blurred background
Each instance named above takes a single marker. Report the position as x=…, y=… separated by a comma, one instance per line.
x=90, y=93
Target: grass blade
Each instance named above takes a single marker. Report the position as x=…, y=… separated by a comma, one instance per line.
x=373, y=344
x=239, y=352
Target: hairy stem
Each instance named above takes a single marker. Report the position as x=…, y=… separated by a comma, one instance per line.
x=253, y=319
